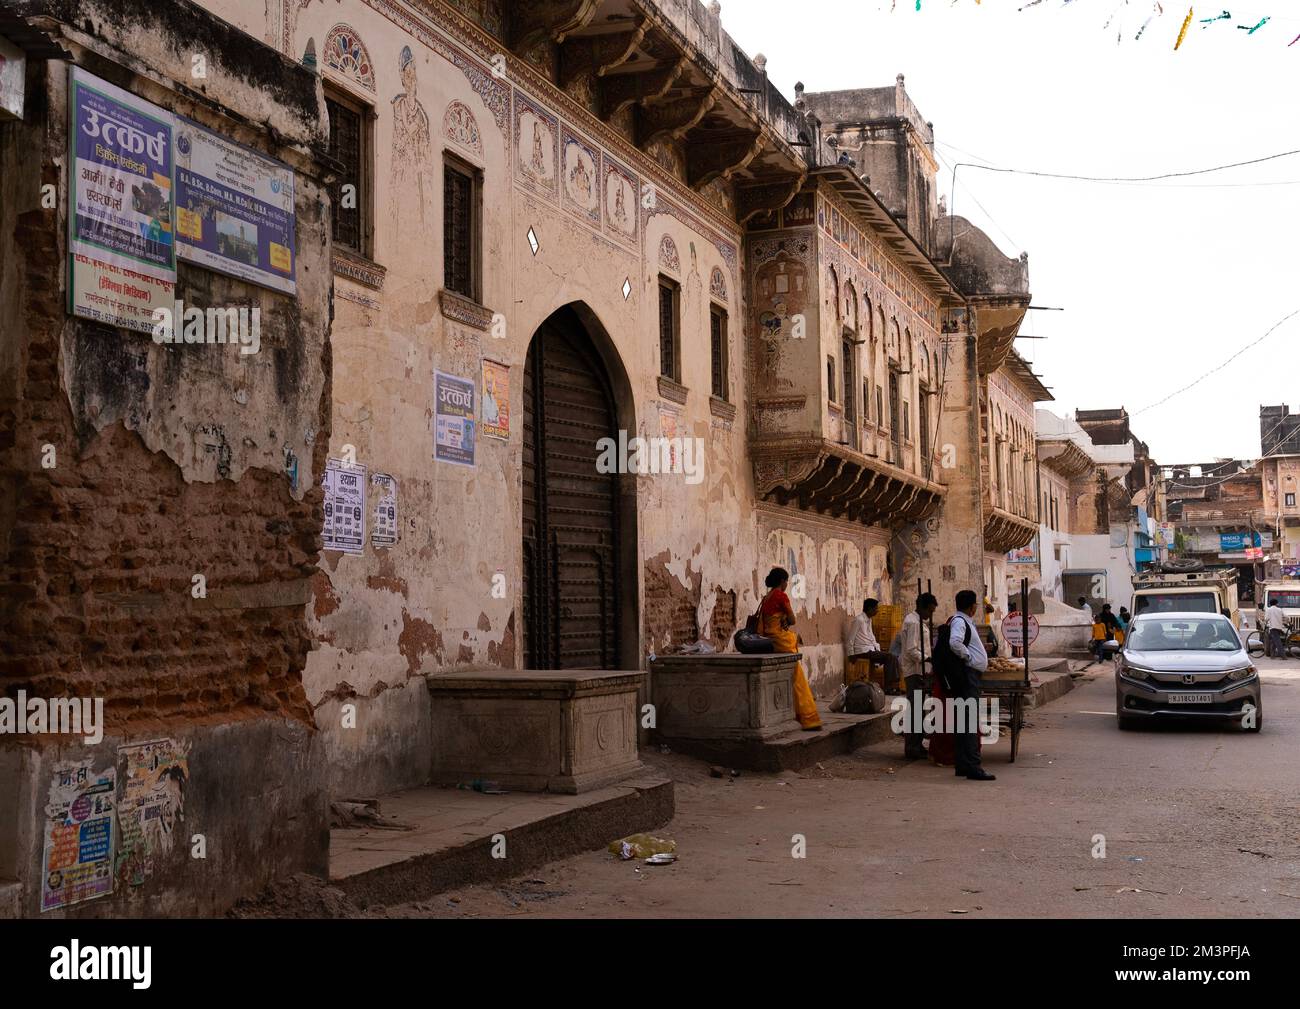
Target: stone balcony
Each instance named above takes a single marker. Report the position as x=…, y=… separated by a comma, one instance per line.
x=818, y=475
x=1005, y=531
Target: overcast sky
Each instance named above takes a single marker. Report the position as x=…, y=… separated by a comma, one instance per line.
x=1160, y=283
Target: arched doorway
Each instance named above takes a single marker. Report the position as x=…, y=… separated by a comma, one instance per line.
x=578, y=528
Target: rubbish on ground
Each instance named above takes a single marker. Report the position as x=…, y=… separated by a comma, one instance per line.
x=663, y=858
x=483, y=787
x=1138, y=858
x=958, y=910
x=361, y=813
x=641, y=846
x=1252, y=851
x=717, y=772
x=700, y=647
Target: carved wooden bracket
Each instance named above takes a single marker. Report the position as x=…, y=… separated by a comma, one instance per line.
x=706, y=161
x=618, y=91
x=766, y=197
x=673, y=117
x=529, y=23
x=597, y=55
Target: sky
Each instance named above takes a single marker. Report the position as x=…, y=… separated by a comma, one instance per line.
x=1162, y=283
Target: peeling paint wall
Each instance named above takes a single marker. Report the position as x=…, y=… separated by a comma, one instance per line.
x=168, y=463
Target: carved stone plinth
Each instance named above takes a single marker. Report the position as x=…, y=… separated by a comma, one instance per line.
x=733, y=697
x=535, y=730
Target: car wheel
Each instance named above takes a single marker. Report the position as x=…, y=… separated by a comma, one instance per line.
x=1126, y=723
x=1259, y=720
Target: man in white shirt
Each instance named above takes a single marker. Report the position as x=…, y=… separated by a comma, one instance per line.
x=913, y=649
x=1275, y=620
x=965, y=643
x=863, y=646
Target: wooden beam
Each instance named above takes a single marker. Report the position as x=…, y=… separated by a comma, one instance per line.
x=530, y=22
x=766, y=196
x=618, y=91
x=673, y=117
x=708, y=161
x=597, y=55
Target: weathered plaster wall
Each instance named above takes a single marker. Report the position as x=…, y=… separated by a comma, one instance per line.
x=171, y=462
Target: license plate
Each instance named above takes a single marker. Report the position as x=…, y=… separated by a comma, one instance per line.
x=1191, y=698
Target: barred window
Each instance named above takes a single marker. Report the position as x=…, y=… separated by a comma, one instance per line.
x=669, y=365
x=460, y=227
x=718, y=346
x=350, y=192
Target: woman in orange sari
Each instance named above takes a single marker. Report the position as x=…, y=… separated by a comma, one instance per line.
x=776, y=621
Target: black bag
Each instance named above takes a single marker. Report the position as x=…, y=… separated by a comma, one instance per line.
x=948, y=667
x=750, y=643
x=864, y=698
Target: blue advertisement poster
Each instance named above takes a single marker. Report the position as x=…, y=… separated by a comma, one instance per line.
x=453, y=419
x=120, y=227
x=234, y=208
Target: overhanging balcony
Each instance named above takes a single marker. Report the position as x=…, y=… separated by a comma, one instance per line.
x=831, y=479
x=1004, y=532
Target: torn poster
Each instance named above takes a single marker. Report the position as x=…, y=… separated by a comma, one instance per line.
x=384, y=531
x=153, y=777
x=78, y=861
x=345, y=507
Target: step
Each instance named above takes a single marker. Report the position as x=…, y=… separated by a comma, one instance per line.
x=452, y=840
x=793, y=748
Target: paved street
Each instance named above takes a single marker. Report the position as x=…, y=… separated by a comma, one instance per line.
x=1197, y=822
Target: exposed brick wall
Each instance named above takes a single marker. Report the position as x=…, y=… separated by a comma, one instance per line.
x=97, y=554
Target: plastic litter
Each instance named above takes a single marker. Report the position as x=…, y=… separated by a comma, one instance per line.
x=664, y=858
x=641, y=846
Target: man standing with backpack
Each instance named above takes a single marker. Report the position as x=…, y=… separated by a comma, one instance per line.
x=960, y=657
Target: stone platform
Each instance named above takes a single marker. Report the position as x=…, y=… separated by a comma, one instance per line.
x=567, y=731
x=451, y=840
x=738, y=710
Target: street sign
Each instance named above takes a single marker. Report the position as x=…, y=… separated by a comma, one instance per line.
x=1013, y=629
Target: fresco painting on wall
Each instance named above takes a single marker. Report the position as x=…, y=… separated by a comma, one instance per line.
x=793, y=551
x=410, y=146
x=842, y=585
x=620, y=200
x=581, y=192
x=346, y=53
x=535, y=138
x=460, y=127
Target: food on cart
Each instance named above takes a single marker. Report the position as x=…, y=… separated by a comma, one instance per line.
x=1005, y=669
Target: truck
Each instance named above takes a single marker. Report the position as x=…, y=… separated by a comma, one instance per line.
x=1187, y=587
x=1286, y=594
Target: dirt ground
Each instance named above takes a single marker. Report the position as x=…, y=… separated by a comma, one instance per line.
x=1197, y=821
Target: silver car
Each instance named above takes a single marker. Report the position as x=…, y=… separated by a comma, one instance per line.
x=1194, y=665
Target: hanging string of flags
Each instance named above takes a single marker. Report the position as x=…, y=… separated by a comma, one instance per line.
x=1131, y=13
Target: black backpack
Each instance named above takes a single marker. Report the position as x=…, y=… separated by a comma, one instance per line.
x=947, y=666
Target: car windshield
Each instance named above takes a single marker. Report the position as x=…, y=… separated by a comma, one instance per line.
x=1287, y=600
x=1184, y=634
x=1190, y=602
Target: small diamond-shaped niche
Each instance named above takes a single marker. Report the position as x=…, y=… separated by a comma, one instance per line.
x=532, y=241
x=627, y=289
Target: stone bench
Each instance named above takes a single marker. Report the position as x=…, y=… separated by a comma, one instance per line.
x=570, y=730
x=731, y=697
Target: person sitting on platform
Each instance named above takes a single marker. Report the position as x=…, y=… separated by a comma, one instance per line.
x=863, y=648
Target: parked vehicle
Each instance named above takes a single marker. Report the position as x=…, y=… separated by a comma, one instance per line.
x=1185, y=665
x=1287, y=596
x=1187, y=587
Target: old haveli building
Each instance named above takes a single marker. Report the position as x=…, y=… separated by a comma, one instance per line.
x=554, y=228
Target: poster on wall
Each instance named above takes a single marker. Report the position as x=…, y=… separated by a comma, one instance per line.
x=78, y=860
x=153, y=776
x=384, y=531
x=234, y=208
x=453, y=419
x=345, y=507
x=496, y=400
x=1027, y=554
x=121, y=244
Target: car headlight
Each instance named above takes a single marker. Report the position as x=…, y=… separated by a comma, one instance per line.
x=1134, y=672
x=1244, y=673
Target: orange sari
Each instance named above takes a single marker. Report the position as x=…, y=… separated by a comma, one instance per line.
x=772, y=615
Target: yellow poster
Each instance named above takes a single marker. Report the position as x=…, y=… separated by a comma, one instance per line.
x=496, y=400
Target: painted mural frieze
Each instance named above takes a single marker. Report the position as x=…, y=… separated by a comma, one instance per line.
x=718, y=285
x=668, y=258
x=536, y=135
x=410, y=160
x=581, y=166
x=345, y=53
x=460, y=127
x=621, y=189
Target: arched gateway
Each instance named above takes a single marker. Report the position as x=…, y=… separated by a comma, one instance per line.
x=579, y=525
